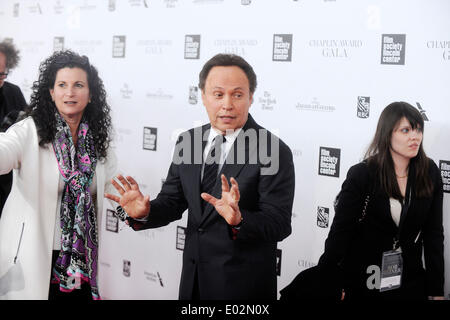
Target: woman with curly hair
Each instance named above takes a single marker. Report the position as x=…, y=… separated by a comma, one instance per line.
x=62, y=163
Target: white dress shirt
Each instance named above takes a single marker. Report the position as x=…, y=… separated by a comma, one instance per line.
x=396, y=210
x=226, y=146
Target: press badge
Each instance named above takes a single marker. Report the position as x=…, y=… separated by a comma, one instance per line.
x=391, y=270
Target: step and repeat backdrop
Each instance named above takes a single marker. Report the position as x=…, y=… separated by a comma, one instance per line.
x=326, y=69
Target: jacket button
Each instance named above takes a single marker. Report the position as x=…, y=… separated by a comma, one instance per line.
x=200, y=230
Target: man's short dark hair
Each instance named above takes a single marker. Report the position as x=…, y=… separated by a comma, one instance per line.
x=228, y=60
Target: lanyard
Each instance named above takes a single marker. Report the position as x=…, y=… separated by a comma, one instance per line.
x=405, y=207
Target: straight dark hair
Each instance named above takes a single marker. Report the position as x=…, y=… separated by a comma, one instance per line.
x=228, y=60
x=379, y=155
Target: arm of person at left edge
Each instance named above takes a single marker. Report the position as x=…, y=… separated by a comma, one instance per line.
x=433, y=239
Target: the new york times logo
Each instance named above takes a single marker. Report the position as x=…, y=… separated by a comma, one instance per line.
x=282, y=47
x=126, y=91
x=445, y=173
x=192, y=46
x=329, y=161
x=150, y=138
x=393, y=48
x=323, y=215
x=58, y=7
x=119, y=45
x=267, y=101
x=363, y=108
x=422, y=112
x=252, y=147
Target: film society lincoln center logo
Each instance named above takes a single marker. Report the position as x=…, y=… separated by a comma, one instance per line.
x=192, y=46
x=150, y=138
x=445, y=173
x=282, y=47
x=58, y=44
x=393, y=48
x=119, y=45
x=329, y=161
x=112, y=222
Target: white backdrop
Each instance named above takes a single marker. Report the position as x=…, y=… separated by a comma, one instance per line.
x=315, y=59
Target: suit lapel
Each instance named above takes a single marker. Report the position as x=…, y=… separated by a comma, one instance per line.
x=196, y=171
x=232, y=167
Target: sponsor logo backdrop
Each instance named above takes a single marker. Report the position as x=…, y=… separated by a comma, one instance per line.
x=326, y=70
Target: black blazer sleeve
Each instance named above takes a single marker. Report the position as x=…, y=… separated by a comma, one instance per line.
x=272, y=219
x=169, y=205
x=347, y=214
x=433, y=238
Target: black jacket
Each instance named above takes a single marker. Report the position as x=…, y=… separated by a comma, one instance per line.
x=244, y=268
x=357, y=245
x=12, y=101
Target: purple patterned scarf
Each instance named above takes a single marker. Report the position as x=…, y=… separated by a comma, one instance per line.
x=77, y=260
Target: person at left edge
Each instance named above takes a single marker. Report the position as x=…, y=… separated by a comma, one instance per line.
x=12, y=102
x=232, y=232
x=62, y=163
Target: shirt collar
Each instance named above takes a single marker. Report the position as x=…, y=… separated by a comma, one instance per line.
x=229, y=137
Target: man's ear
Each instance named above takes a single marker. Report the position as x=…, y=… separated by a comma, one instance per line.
x=203, y=97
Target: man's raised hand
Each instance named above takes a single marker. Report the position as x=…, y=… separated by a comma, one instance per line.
x=135, y=204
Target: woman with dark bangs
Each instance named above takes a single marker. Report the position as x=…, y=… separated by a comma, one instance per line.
x=62, y=163
x=388, y=213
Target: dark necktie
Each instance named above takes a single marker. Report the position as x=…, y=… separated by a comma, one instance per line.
x=211, y=167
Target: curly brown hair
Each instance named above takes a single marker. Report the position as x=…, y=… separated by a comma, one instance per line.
x=43, y=109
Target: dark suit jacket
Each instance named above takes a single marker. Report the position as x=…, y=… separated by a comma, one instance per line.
x=359, y=245
x=11, y=103
x=11, y=100
x=244, y=268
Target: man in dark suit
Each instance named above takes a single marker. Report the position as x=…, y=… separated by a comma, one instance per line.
x=11, y=103
x=232, y=231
